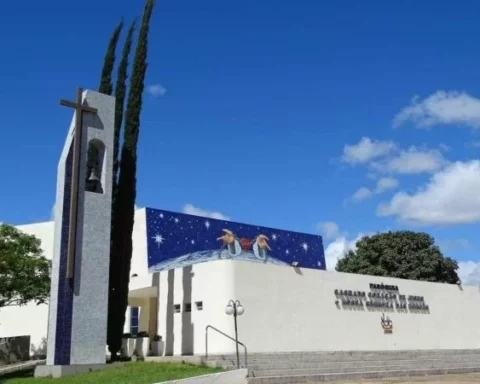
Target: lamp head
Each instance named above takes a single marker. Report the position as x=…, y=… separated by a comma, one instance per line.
x=240, y=310
x=229, y=310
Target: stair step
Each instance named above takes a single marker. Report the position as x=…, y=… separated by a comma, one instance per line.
x=356, y=363
x=446, y=352
x=256, y=359
x=369, y=368
x=359, y=375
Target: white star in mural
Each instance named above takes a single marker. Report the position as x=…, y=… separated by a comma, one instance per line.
x=207, y=224
x=193, y=241
x=287, y=251
x=161, y=215
x=305, y=247
x=159, y=239
x=176, y=220
x=274, y=237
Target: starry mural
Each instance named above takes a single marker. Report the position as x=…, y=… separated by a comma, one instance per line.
x=177, y=240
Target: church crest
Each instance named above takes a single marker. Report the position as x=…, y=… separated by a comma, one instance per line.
x=387, y=324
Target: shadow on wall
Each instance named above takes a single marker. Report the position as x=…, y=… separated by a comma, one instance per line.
x=169, y=337
x=187, y=334
x=187, y=326
x=14, y=350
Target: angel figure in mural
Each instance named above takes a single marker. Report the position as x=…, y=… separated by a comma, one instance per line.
x=260, y=247
x=230, y=243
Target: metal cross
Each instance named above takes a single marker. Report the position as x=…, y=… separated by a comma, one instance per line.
x=77, y=142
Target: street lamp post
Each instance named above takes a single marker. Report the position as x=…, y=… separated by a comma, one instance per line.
x=236, y=309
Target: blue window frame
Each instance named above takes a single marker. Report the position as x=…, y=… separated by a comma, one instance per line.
x=134, y=321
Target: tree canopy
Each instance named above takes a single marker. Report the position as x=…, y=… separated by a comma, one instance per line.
x=24, y=271
x=400, y=254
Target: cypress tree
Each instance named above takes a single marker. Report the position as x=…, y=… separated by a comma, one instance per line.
x=126, y=192
x=120, y=92
x=106, y=86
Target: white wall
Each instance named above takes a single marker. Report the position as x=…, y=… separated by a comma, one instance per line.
x=139, y=263
x=290, y=311
x=293, y=310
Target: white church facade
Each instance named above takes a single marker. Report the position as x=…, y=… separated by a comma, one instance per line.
x=180, y=285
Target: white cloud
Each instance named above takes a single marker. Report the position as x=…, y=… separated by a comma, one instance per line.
x=156, y=90
x=366, y=150
x=192, y=210
x=337, y=250
x=361, y=194
x=469, y=272
x=444, y=147
x=340, y=245
x=442, y=107
x=383, y=184
x=450, y=197
x=415, y=160
x=386, y=183
x=328, y=229
x=385, y=156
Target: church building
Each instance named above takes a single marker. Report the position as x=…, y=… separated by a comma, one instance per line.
x=187, y=271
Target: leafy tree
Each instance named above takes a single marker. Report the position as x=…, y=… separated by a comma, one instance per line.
x=106, y=86
x=24, y=271
x=124, y=206
x=401, y=254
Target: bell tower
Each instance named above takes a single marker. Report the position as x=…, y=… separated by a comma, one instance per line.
x=77, y=323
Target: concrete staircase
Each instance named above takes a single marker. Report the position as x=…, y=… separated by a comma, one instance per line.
x=315, y=367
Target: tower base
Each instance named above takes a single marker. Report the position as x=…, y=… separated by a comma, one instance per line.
x=56, y=371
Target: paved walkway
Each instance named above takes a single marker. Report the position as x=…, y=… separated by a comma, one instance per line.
x=471, y=378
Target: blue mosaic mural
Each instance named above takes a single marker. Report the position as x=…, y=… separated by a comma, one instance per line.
x=177, y=240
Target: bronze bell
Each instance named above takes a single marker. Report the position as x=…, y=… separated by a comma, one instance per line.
x=93, y=182
x=93, y=175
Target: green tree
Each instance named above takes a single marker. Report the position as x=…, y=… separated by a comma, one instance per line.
x=120, y=92
x=115, y=258
x=122, y=227
x=106, y=86
x=24, y=271
x=401, y=254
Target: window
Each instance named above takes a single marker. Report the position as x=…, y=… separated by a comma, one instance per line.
x=199, y=305
x=187, y=307
x=177, y=308
x=134, y=321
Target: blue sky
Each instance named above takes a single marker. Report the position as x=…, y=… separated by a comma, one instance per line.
x=271, y=112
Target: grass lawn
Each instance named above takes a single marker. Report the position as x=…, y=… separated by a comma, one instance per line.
x=126, y=373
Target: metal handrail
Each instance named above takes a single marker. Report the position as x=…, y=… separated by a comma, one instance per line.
x=228, y=337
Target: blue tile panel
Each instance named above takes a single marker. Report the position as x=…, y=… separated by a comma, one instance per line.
x=63, y=336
